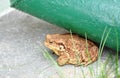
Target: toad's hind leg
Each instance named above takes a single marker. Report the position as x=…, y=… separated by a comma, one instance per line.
x=63, y=59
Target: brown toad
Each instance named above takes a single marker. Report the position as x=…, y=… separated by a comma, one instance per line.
x=72, y=49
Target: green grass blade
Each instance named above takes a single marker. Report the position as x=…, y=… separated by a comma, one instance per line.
x=104, y=42
x=87, y=51
x=75, y=49
x=117, y=54
x=102, y=39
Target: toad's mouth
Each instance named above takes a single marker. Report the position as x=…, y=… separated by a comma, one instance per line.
x=53, y=48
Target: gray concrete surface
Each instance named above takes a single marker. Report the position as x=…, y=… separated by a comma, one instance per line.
x=21, y=54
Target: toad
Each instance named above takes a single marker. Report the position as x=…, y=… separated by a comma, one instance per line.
x=72, y=49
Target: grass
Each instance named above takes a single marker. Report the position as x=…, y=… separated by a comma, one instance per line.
x=117, y=56
x=49, y=57
x=104, y=69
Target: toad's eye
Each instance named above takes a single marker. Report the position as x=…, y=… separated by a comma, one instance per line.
x=50, y=42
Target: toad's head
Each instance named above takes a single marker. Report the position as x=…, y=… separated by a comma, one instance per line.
x=55, y=43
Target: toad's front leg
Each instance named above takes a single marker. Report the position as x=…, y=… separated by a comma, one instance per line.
x=63, y=59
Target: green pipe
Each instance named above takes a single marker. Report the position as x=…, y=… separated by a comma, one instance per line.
x=80, y=16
